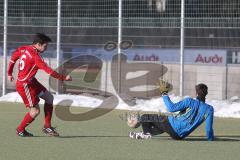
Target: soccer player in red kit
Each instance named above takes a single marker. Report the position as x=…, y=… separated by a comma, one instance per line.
x=29, y=88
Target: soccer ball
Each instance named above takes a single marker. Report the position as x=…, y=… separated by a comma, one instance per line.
x=133, y=121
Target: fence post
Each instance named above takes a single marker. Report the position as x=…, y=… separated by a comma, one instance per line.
x=182, y=48
x=119, y=42
x=4, y=71
x=58, y=39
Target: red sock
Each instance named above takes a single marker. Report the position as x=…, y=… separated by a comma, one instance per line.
x=48, y=109
x=25, y=122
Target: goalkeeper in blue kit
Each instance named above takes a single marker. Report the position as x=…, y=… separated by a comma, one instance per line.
x=191, y=114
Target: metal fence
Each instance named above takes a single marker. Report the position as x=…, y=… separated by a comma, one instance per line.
x=206, y=33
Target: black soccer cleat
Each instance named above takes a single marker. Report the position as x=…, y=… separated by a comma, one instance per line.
x=50, y=131
x=24, y=134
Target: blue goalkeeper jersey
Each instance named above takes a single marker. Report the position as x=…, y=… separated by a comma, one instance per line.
x=192, y=113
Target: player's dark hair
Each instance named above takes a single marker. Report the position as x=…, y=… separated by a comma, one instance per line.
x=202, y=91
x=41, y=38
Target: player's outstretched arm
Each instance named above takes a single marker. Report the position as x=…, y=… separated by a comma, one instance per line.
x=174, y=107
x=60, y=77
x=42, y=65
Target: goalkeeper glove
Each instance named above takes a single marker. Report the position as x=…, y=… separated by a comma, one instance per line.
x=164, y=87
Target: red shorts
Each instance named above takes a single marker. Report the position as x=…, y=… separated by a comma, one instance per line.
x=30, y=92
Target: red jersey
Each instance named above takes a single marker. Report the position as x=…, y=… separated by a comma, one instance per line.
x=30, y=62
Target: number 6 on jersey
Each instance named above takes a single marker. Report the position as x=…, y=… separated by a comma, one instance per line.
x=22, y=63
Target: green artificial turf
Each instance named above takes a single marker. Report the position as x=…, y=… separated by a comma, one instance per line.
x=106, y=138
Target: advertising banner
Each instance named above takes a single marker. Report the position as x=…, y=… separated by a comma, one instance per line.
x=191, y=56
x=233, y=56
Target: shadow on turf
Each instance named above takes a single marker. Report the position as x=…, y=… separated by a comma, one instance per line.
x=80, y=136
x=217, y=138
x=231, y=138
x=92, y=136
